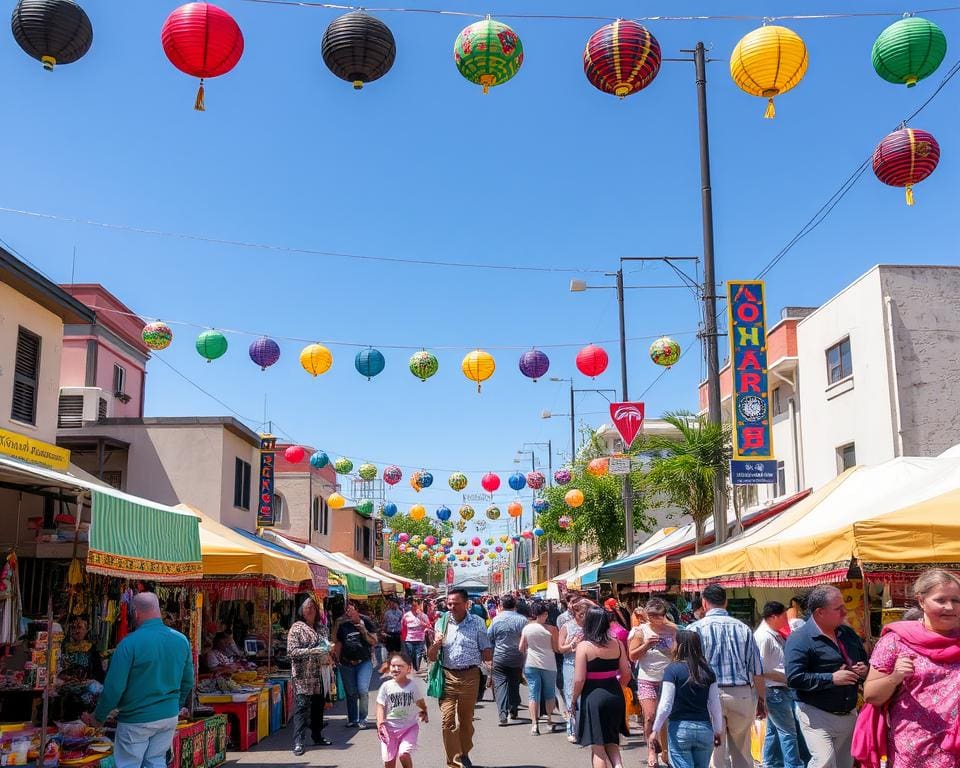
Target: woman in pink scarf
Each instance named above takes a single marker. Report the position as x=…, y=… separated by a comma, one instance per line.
x=915, y=675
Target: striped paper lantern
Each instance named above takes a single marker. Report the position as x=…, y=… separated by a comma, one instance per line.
x=621, y=58
x=358, y=48
x=908, y=51
x=906, y=157
x=52, y=31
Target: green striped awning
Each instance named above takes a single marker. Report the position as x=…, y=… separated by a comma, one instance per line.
x=136, y=539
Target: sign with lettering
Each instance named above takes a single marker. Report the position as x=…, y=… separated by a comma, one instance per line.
x=34, y=451
x=752, y=472
x=751, y=418
x=265, y=511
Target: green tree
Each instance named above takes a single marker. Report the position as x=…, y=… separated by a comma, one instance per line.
x=682, y=471
x=407, y=563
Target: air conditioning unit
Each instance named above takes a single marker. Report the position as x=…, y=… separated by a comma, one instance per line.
x=82, y=405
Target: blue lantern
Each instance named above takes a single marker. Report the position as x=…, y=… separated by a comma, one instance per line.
x=538, y=531
x=517, y=481
x=319, y=460
x=426, y=479
x=540, y=505
x=389, y=509
x=443, y=514
x=369, y=362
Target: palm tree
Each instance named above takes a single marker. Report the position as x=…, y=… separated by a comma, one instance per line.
x=683, y=470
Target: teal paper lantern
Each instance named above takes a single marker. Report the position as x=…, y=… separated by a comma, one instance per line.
x=319, y=460
x=211, y=345
x=369, y=362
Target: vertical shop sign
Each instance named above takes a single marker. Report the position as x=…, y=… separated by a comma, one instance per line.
x=751, y=419
x=379, y=553
x=265, y=511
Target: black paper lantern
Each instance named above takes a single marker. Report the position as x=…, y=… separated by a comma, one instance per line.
x=358, y=48
x=52, y=31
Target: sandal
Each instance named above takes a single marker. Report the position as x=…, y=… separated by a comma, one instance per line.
x=535, y=730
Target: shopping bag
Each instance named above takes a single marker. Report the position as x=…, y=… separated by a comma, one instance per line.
x=758, y=735
x=341, y=693
x=435, y=673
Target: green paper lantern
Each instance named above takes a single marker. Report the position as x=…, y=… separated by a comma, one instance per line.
x=365, y=507
x=343, y=466
x=423, y=365
x=211, y=345
x=488, y=53
x=457, y=481
x=909, y=50
x=367, y=471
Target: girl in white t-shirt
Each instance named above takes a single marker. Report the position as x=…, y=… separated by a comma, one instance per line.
x=401, y=703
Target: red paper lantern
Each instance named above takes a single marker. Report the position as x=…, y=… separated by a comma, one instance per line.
x=490, y=482
x=294, y=454
x=203, y=41
x=592, y=360
x=621, y=58
x=906, y=157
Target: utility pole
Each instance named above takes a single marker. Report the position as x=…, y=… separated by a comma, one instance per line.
x=573, y=460
x=627, y=487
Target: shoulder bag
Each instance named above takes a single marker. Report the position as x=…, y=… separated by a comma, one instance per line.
x=435, y=674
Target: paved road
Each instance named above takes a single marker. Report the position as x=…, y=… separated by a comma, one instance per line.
x=509, y=747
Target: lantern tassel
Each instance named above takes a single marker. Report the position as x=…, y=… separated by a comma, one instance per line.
x=909, y=194
x=198, y=104
x=771, y=111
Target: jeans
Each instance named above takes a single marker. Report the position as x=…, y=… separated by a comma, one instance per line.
x=144, y=745
x=356, y=684
x=780, y=748
x=568, y=670
x=691, y=743
x=541, y=684
x=308, y=713
x=506, y=689
x=415, y=651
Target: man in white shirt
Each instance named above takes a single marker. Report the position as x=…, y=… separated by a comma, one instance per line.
x=781, y=748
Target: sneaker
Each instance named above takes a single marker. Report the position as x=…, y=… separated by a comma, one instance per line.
x=534, y=730
x=362, y=725
x=298, y=749
x=514, y=714
x=572, y=739
x=352, y=725
x=503, y=720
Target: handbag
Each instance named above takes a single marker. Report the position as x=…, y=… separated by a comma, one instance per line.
x=435, y=679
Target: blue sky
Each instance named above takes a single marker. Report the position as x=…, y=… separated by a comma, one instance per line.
x=543, y=171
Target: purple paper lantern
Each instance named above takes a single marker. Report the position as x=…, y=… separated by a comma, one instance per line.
x=534, y=364
x=264, y=352
x=562, y=476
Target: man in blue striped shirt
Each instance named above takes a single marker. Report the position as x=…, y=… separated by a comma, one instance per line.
x=731, y=650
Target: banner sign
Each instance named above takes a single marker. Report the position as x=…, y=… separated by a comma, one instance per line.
x=320, y=576
x=753, y=472
x=265, y=511
x=35, y=451
x=619, y=465
x=628, y=419
x=378, y=542
x=752, y=423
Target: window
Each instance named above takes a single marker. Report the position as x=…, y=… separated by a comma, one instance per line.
x=367, y=551
x=781, y=479
x=839, y=362
x=26, y=376
x=112, y=477
x=316, y=513
x=325, y=528
x=277, y=509
x=356, y=539
x=119, y=380
x=241, y=484
x=775, y=397
x=847, y=456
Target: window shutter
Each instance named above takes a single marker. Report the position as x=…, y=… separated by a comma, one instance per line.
x=25, y=376
x=101, y=409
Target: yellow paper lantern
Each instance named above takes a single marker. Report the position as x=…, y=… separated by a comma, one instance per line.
x=768, y=62
x=417, y=512
x=478, y=366
x=335, y=501
x=316, y=359
x=574, y=498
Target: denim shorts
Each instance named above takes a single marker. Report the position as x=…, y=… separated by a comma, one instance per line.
x=541, y=681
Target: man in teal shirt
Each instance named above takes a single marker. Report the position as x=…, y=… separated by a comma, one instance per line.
x=149, y=682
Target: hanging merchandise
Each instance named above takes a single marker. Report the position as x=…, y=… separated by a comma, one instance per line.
x=421, y=479
x=517, y=481
x=536, y=480
x=369, y=362
x=598, y=467
x=769, y=62
x=316, y=359
x=490, y=482
x=423, y=364
x=392, y=475
x=534, y=364
x=514, y=509
x=202, y=40
x=319, y=460
x=574, y=498
x=211, y=345
x=264, y=352
x=488, y=53
x=562, y=476
x=389, y=509
x=478, y=366
x=493, y=512
x=564, y=521
x=457, y=481
x=343, y=466
x=367, y=471
x=592, y=360
x=336, y=501
x=52, y=31
x=358, y=48
x=365, y=507
x=540, y=505
x=621, y=58
x=909, y=50
x=294, y=454
x=417, y=512
x=467, y=513
x=443, y=514
x=906, y=157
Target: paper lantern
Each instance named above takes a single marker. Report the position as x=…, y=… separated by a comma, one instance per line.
x=540, y=505
x=490, y=482
x=343, y=466
x=514, y=509
x=592, y=360
x=335, y=501
x=52, y=31
x=157, y=336
x=211, y=345
x=564, y=521
x=443, y=514
x=574, y=498
x=264, y=352
x=457, y=481
x=906, y=157
x=367, y=471
x=517, y=481
x=316, y=359
x=538, y=531
x=389, y=509
x=475, y=541
x=909, y=50
x=598, y=467
x=403, y=537
x=430, y=541
x=488, y=53
x=467, y=513
x=562, y=476
x=202, y=40
x=665, y=351
x=392, y=475
x=493, y=512
x=294, y=454
x=536, y=480
x=534, y=364
x=478, y=366
x=369, y=362
x=621, y=58
x=504, y=538
x=417, y=512
x=365, y=507
x=358, y=48
x=319, y=460
x=421, y=479
x=423, y=365
x=768, y=62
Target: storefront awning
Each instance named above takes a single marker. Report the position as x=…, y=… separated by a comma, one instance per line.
x=573, y=578
x=651, y=576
